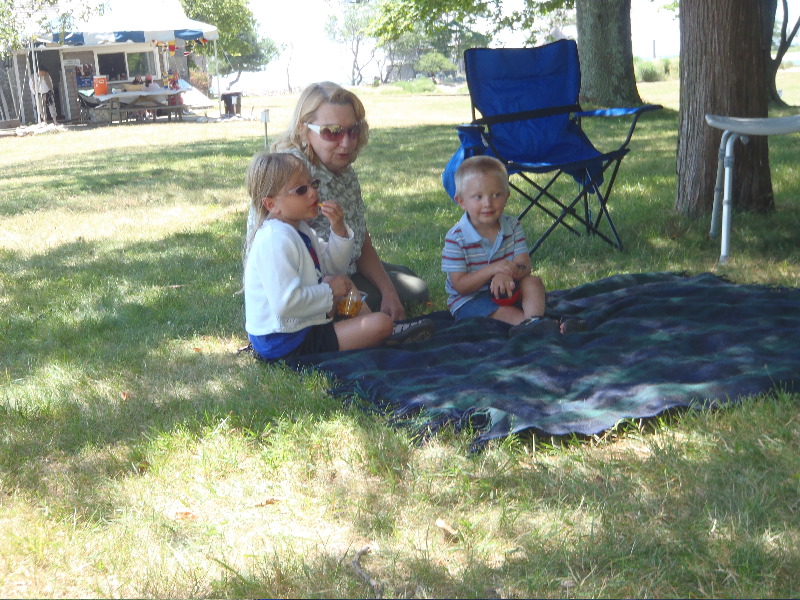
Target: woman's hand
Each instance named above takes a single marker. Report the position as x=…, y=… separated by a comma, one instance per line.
x=332, y=211
x=391, y=305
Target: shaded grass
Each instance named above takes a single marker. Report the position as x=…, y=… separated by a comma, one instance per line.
x=122, y=396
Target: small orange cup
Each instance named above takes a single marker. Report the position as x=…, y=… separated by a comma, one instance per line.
x=350, y=305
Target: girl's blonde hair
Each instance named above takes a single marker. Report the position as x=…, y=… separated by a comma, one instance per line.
x=267, y=175
x=305, y=111
x=480, y=165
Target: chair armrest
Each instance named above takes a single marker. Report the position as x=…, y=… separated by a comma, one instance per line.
x=618, y=112
x=470, y=128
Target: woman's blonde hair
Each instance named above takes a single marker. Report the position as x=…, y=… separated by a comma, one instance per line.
x=305, y=111
x=267, y=175
x=480, y=165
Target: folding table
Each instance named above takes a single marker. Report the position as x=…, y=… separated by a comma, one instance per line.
x=738, y=128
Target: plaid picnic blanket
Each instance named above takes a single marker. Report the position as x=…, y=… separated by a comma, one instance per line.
x=654, y=341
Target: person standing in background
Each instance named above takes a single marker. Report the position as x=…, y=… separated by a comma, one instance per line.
x=43, y=90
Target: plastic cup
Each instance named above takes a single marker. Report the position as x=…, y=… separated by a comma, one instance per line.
x=350, y=305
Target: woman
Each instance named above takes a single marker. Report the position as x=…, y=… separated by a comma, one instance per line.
x=327, y=131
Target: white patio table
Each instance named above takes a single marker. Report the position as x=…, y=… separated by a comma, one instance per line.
x=738, y=128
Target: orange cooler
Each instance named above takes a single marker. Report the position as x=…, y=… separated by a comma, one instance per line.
x=100, y=85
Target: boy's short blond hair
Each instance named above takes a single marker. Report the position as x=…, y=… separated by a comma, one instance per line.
x=480, y=165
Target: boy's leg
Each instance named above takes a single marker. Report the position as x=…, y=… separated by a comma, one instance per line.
x=482, y=305
x=533, y=296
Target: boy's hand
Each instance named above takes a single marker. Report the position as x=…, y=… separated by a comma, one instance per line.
x=502, y=285
x=504, y=267
x=332, y=211
x=523, y=270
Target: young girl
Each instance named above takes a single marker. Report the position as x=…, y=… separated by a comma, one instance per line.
x=291, y=276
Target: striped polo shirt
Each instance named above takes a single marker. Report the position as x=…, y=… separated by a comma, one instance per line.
x=466, y=251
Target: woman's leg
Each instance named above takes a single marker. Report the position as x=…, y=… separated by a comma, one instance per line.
x=410, y=288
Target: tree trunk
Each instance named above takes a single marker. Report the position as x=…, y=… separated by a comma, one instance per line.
x=716, y=77
x=606, y=52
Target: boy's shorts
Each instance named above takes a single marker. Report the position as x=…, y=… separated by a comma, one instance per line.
x=480, y=305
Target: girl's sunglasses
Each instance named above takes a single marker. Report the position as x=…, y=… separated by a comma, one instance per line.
x=334, y=133
x=302, y=190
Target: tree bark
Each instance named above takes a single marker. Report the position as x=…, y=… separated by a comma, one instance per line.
x=721, y=74
x=606, y=52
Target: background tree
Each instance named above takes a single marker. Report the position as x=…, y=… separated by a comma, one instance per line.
x=453, y=37
x=605, y=48
x=714, y=38
x=604, y=28
x=352, y=30
x=395, y=17
x=449, y=40
x=254, y=55
x=606, y=52
x=781, y=45
x=433, y=63
x=241, y=46
x=18, y=16
x=400, y=53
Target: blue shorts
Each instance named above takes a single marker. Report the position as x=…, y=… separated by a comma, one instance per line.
x=317, y=339
x=481, y=305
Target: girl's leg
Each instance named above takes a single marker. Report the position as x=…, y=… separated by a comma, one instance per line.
x=363, y=331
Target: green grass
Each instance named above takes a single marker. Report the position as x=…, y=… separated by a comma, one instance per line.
x=140, y=456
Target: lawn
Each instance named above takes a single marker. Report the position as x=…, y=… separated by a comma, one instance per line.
x=141, y=456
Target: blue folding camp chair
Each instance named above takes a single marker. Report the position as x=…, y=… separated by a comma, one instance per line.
x=530, y=120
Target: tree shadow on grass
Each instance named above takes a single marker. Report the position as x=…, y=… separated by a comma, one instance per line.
x=106, y=347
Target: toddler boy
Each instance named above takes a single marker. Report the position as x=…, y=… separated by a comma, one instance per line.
x=486, y=256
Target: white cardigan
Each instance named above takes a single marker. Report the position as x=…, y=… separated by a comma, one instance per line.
x=282, y=293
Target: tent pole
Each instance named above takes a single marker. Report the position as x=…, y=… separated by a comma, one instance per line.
x=35, y=78
x=15, y=70
x=20, y=90
x=219, y=89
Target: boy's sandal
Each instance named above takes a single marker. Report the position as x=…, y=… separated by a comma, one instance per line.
x=535, y=326
x=573, y=325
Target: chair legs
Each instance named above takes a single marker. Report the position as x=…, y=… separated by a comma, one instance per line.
x=560, y=211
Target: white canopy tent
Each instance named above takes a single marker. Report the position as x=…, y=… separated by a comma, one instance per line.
x=136, y=21
x=124, y=23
